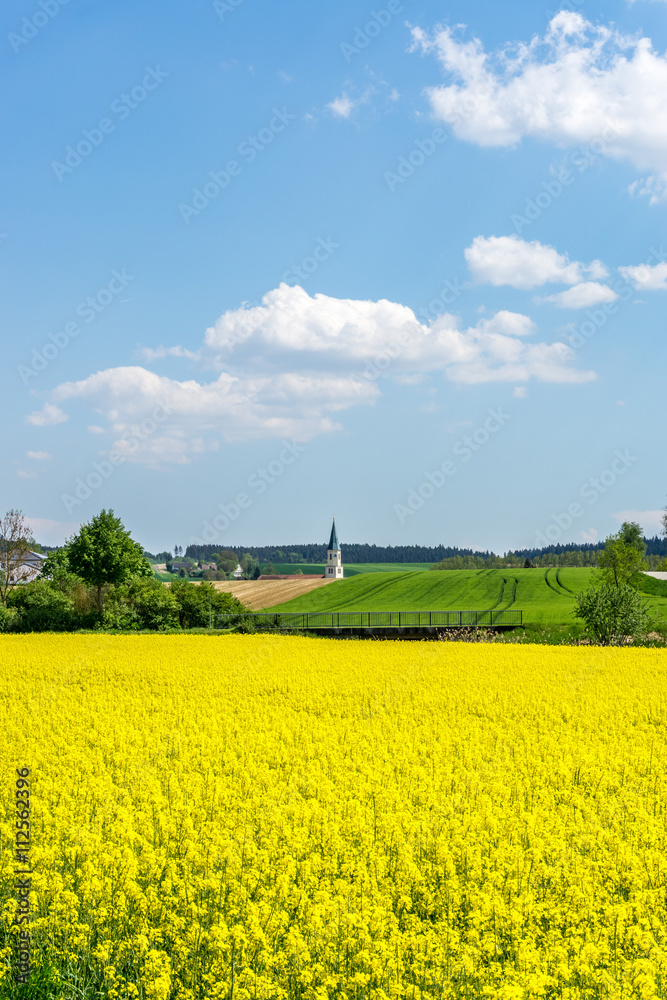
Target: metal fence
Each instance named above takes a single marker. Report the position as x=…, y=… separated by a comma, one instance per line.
x=371, y=619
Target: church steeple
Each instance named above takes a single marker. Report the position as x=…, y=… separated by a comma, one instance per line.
x=333, y=541
x=334, y=567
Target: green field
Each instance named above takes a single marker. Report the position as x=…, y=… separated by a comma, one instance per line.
x=353, y=569
x=545, y=596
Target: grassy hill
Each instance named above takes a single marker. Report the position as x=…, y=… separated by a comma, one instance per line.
x=545, y=596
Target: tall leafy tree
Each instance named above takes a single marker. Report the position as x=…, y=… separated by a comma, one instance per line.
x=621, y=559
x=104, y=553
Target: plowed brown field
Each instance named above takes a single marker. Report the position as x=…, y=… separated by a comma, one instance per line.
x=258, y=594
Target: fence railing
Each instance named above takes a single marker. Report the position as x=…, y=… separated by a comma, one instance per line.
x=370, y=619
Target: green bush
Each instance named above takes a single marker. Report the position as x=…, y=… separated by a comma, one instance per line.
x=141, y=604
x=40, y=607
x=193, y=603
x=7, y=616
x=612, y=613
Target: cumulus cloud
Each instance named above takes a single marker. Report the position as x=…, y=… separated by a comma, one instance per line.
x=649, y=279
x=579, y=83
x=48, y=415
x=38, y=456
x=158, y=420
x=588, y=293
x=311, y=357
x=376, y=336
x=509, y=260
x=341, y=106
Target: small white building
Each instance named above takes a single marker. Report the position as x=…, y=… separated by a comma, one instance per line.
x=238, y=572
x=334, y=567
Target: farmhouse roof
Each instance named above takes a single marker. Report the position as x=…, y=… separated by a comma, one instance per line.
x=333, y=541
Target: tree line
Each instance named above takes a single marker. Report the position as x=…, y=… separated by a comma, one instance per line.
x=451, y=556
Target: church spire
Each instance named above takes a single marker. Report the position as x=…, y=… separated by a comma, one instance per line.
x=333, y=541
x=334, y=567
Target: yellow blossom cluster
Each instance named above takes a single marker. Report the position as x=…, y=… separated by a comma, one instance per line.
x=281, y=817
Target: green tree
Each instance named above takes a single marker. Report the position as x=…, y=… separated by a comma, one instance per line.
x=620, y=561
x=227, y=561
x=632, y=534
x=250, y=567
x=57, y=569
x=104, y=553
x=194, y=601
x=269, y=568
x=612, y=612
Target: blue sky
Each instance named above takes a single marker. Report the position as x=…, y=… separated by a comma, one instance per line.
x=405, y=263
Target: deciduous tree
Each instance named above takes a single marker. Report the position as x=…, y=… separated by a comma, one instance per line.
x=104, y=553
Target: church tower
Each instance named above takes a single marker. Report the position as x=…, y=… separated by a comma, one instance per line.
x=334, y=568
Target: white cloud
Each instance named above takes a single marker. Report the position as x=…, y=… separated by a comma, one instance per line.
x=363, y=336
x=649, y=279
x=520, y=391
x=26, y=474
x=47, y=416
x=193, y=416
x=287, y=366
x=157, y=353
x=341, y=107
x=650, y=521
x=510, y=323
x=509, y=260
x=587, y=293
x=38, y=456
x=580, y=83
x=591, y=536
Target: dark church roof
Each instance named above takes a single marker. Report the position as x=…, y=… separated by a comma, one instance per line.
x=333, y=541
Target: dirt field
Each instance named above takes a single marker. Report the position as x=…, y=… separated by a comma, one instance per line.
x=258, y=594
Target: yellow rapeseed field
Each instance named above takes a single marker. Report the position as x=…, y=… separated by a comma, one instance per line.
x=265, y=817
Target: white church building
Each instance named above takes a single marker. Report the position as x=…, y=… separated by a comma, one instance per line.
x=334, y=567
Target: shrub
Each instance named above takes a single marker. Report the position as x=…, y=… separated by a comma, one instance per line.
x=40, y=607
x=7, y=616
x=612, y=613
x=193, y=603
x=141, y=604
